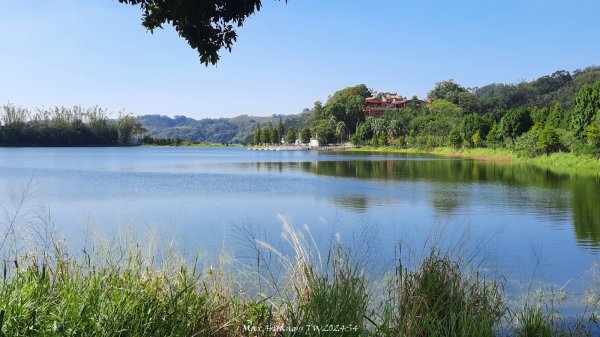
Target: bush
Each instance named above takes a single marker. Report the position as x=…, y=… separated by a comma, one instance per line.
x=383, y=140
x=438, y=300
x=526, y=144
x=548, y=140
x=455, y=138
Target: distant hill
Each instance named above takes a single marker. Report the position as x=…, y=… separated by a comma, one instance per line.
x=559, y=87
x=220, y=130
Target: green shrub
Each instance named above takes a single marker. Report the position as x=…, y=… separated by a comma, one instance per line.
x=438, y=300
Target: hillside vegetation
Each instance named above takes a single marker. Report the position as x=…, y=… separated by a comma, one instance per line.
x=221, y=130
x=531, y=118
x=559, y=112
x=554, y=113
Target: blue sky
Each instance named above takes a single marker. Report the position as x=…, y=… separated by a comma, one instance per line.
x=95, y=52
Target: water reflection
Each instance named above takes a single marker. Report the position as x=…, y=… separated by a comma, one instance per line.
x=447, y=198
x=586, y=211
x=358, y=203
x=454, y=183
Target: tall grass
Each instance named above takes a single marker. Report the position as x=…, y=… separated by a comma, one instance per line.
x=125, y=288
x=538, y=313
x=124, y=295
x=437, y=298
x=316, y=295
x=559, y=162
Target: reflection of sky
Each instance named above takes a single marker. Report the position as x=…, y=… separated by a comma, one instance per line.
x=200, y=196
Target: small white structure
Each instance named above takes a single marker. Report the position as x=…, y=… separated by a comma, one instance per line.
x=313, y=142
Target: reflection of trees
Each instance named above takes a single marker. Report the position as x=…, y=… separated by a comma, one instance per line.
x=358, y=203
x=547, y=196
x=448, y=197
x=270, y=166
x=586, y=210
x=442, y=171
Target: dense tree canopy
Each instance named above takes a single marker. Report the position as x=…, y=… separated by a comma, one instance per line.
x=63, y=126
x=207, y=25
x=587, y=107
x=515, y=123
x=447, y=90
x=346, y=105
x=472, y=125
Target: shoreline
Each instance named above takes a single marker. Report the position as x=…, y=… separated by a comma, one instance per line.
x=559, y=163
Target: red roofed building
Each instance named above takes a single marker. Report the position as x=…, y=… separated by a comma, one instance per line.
x=375, y=106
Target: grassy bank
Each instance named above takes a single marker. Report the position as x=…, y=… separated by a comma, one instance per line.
x=561, y=162
x=130, y=290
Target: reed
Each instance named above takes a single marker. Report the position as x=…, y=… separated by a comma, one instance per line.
x=126, y=288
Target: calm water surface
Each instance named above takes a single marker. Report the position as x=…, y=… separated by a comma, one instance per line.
x=526, y=221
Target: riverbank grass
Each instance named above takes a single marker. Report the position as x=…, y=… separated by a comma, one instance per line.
x=126, y=290
x=559, y=162
x=125, y=293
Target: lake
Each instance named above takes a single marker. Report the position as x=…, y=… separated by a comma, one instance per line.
x=523, y=222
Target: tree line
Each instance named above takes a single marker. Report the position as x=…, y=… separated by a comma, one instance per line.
x=276, y=135
x=329, y=123
x=63, y=126
x=558, y=112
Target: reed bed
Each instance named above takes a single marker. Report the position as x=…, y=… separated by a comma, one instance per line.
x=123, y=288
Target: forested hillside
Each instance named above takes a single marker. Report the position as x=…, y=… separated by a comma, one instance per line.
x=559, y=112
x=222, y=130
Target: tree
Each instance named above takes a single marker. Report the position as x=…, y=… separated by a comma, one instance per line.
x=340, y=130
x=455, y=138
x=275, y=137
x=290, y=137
x=256, y=137
x=592, y=132
x=13, y=115
x=474, y=124
x=325, y=132
x=494, y=137
x=206, y=25
x=347, y=105
x=431, y=127
x=315, y=113
x=557, y=117
x=364, y=132
x=393, y=128
x=548, y=140
x=587, y=107
x=127, y=127
x=526, y=144
x=305, y=135
x=540, y=115
x=476, y=139
x=399, y=120
x=448, y=90
x=317, y=107
x=378, y=126
x=265, y=135
x=515, y=123
x=280, y=129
